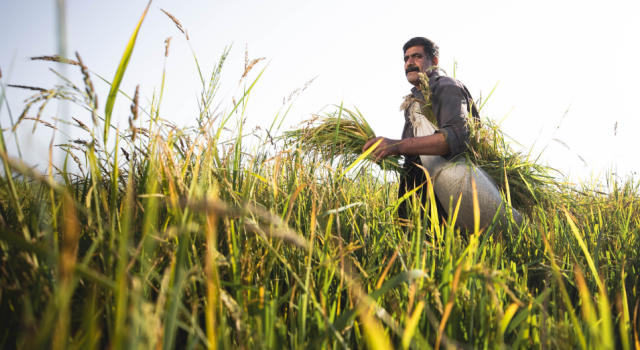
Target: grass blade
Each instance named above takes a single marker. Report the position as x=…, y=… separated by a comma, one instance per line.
x=122, y=67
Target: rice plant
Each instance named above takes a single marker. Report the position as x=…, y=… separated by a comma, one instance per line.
x=183, y=238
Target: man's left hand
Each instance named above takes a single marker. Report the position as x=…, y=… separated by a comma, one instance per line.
x=387, y=147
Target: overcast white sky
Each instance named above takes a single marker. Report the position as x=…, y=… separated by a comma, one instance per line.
x=547, y=55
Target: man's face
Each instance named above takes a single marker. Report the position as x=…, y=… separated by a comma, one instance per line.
x=416, y=61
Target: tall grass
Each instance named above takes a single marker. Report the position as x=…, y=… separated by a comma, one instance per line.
x=180, y=238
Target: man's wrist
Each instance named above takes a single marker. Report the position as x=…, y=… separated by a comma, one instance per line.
x=396, y=148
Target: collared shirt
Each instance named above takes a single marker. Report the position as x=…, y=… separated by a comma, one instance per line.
x=450, y=102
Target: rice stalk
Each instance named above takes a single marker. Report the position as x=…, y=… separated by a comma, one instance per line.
x=55, y=58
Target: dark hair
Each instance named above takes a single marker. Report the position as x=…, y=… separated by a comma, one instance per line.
x=429, y=47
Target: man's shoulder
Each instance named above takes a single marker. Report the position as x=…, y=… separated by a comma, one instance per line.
x=444, y=80
x=445, y=86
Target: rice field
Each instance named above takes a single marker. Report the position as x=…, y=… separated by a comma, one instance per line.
x=197, y=238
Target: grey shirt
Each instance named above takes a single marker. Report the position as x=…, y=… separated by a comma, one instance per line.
x=450, y=102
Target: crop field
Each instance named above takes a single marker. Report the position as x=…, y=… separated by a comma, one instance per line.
x=209, y=237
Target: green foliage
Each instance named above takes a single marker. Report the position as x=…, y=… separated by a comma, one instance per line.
x=124, y=62
x=178, y=238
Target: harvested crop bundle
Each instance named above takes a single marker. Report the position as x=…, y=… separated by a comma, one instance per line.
x=523, y=181
x=521, y=178
x=340, y=134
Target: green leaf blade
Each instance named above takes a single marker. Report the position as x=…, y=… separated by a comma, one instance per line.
x=122, y=67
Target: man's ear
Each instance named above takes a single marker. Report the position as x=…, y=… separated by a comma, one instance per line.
x=434, y=61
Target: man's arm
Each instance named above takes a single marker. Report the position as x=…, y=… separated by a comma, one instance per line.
x=432, y=145
x=451, y=108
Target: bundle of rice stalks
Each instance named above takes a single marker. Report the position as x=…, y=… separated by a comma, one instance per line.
x=338, y=135
x=524, y=181
x=521, y=178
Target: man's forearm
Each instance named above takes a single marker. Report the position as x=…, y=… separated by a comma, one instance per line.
x=432, y=145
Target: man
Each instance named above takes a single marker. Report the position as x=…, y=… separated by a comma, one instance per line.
x=437, y=147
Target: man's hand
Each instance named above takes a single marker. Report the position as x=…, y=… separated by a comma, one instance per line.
x=432, y=145
x=387, y=147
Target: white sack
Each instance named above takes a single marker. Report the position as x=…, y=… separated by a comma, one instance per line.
x=452, y=178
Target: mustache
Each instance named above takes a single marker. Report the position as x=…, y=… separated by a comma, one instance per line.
x=411, y=69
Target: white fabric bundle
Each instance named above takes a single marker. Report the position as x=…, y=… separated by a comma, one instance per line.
x=452, y=178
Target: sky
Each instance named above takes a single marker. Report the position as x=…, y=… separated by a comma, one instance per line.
x=566, y=71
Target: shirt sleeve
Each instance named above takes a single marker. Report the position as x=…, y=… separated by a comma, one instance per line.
x=451, y=111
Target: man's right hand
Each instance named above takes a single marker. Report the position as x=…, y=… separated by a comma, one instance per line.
x=387, y=147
